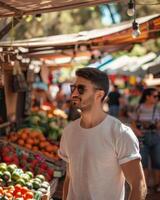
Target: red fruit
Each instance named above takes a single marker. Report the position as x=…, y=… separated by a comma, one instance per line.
x=41, y=171
x=34, y=162
x=18, y=194
x=17, y=188
x=48, y=178
x=7, y=159
x=50, y=172
x=16, y=161
x=43, y=166
x=5, y=149
x=29, y=195
x=24, y=190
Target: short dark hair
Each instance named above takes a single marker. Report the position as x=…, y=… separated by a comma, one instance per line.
x=97, y=77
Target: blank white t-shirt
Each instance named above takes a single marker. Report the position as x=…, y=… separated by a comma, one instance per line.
x=94, y=156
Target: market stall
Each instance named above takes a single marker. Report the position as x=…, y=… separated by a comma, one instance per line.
x=28, y=142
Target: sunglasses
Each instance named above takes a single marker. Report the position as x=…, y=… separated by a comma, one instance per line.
x=80, y=88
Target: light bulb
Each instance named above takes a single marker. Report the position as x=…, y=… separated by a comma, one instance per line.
x=136, y=31
x=29, y=18
x=131, y=8
x=130, y=12
x=39, y=17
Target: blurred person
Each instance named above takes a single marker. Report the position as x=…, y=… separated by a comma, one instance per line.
x=147, y=129
x=60, y=97
x=99, y=150
x=114, y=101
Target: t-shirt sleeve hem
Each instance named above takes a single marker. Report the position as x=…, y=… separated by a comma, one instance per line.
x=125, y=160
x=62, y=156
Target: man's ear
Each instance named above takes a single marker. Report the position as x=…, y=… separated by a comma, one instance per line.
x=105, y=100
x=100, y=94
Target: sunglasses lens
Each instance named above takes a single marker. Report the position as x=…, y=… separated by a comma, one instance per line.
x=80, y=89
x=72, y=87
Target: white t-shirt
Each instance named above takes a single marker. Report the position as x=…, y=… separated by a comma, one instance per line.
x=94, y=156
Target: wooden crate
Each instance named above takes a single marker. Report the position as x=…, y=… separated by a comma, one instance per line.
x=47, y=195
x=57, y=165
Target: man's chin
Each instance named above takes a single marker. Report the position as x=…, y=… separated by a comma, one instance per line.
x=75, y=104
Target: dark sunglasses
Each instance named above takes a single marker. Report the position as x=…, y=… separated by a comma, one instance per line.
x=80, y=88
x=155, y=96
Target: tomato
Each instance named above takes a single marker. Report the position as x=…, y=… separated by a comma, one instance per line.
x=18, y=188
x=1, y=190
x=18, y=194
x=24, y=190
x=29, y=195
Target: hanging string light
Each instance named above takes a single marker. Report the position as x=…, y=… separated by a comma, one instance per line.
x=136, y=31
x=135, y=26
x=38, y=17
x=131, y=8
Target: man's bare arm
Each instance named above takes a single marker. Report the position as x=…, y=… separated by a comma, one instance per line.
x=66, y=184
x=134, y=175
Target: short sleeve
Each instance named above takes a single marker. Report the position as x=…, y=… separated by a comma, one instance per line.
x=127, y=145
x=62, y=150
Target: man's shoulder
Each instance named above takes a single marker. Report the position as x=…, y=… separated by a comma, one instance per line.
x=113, y=120
x=118, y=126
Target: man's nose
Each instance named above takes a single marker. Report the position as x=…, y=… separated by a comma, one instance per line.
x=75, y=92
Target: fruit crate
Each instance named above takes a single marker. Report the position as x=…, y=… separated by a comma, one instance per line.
x=53, y=186
x=46, y=196
x=58, y=165
x=54, y=181
x=56, y=160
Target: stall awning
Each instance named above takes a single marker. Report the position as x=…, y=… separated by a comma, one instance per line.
x=17, y=7
x=115, y=35
x=106, y=40
x=128, y=64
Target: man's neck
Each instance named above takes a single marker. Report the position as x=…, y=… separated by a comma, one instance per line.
x=90, y=120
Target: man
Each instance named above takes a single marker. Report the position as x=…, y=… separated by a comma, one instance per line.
x=114, y=101
x=101, y=152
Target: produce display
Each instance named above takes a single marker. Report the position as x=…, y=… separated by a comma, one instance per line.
x=49, y=125
x=34, y=140
x=26, y=161
x=15, y=183
x=16, y=192
x=29, y=162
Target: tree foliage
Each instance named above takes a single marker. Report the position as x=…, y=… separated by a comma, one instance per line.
x=76, y=20
x=64, y=22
